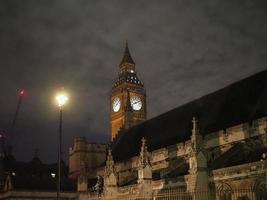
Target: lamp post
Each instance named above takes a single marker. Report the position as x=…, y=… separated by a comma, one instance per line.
x=61, y=101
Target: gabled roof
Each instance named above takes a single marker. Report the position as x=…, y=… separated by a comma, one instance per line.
x=237, y=103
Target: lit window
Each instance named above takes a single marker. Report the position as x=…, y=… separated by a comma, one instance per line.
x=53, y=175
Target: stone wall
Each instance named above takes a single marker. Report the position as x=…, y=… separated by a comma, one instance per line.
x=91, y=155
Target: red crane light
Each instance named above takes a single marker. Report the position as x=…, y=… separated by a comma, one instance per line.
x=21, y=93
x=2, y=135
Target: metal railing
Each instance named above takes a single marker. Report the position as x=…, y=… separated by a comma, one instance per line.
x=181, y=194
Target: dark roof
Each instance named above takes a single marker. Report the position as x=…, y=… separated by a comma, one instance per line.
x=127, y=58
x=237, y=103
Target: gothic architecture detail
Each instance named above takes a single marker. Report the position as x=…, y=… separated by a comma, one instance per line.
x=109, y=168
x=144, y=155
x=221, y=154
x=198, y=179
x=144, y=166
x=127, y=90
x=196, y=138
x=197, y=157
x=110, y=178
x=128, y=113
x=144, y=172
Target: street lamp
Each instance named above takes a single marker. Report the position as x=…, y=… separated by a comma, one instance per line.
x=61, y=100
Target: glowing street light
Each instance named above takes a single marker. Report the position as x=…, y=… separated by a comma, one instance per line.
x=61, y=100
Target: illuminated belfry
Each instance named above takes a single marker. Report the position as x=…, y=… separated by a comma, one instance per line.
x=127, y=86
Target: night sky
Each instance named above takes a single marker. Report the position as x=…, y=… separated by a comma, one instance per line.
x=183, y=49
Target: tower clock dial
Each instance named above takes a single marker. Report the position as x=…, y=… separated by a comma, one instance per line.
x=136, y=102
x=116, y=104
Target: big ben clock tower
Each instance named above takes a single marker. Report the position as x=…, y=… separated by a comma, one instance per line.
x=128, y=97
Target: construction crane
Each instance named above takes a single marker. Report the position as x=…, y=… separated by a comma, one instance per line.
x=5, y=135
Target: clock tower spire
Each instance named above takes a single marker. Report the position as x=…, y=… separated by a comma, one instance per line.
x=127, y=91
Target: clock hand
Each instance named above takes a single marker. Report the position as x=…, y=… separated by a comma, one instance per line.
x=116, y=103
x=136, y=102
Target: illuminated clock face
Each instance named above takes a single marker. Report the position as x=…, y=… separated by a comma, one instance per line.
x=116, y=104
x=136, y=102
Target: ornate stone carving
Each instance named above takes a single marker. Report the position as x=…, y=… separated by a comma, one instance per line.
x=144, y=165
x=144, y=155
x=110, y=168
x=110, y=177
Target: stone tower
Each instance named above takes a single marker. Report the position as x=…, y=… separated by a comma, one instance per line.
x=127, y=89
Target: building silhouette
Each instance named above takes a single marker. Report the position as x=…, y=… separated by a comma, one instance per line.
x=33, y=179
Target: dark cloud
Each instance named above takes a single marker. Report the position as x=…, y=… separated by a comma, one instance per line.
x=183, y=50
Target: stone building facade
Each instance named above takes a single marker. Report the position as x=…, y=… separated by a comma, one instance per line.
x=212, y=148
x=85, y=155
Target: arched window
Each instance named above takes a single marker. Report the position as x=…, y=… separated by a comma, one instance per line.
x=224, y=192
